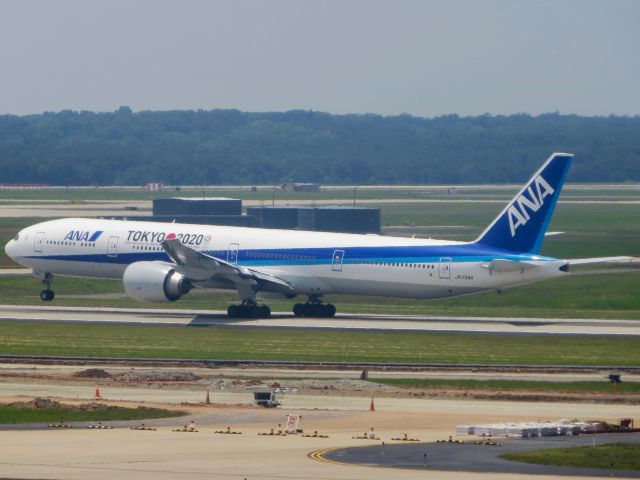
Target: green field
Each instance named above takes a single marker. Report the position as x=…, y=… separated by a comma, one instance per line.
x=513, y=385
x=615, y=456
x=12, y=414
x=66, y=339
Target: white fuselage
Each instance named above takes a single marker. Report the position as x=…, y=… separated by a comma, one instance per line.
x=311, y=262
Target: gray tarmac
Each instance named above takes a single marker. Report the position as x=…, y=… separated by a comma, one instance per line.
x=469, y=457
x=565, y=326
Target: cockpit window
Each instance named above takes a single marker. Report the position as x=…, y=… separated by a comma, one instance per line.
x=17, y=237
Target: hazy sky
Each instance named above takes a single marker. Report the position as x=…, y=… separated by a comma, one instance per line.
x=425, y=58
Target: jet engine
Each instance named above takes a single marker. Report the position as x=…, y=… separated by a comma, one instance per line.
x=154, y=282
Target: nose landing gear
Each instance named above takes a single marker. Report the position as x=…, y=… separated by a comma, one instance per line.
x=47, y=294
x=314, y=308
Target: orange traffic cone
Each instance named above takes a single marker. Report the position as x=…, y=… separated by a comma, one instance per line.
x=207, y=400
x=372, y=407
x=97, y=395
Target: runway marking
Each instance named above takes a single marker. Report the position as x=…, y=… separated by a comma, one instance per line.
x=318, y=455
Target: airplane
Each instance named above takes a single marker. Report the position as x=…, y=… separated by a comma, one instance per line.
x=162, y=262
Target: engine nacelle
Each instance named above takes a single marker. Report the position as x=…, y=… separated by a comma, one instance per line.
x=154, y=282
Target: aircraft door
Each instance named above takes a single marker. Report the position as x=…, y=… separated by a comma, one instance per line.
x=38, y=241
x=112, y=247
x=232, y=253
x=336, y=262
x=444, y=269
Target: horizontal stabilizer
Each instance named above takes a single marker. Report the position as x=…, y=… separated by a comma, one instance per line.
x=504, y=266
x=587, y=261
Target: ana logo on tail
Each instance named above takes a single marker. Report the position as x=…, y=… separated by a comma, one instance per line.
x=518, y=212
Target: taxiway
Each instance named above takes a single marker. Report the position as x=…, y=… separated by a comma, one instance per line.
x=370, y=322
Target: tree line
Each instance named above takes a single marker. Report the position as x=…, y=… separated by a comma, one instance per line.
x=234, y=147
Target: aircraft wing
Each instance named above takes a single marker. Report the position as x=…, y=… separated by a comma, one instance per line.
x=586, y=261
x=504, y=265
x=199, y=267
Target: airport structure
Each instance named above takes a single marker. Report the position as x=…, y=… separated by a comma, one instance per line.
x=197, y=206
x=228, y=211
x=321, y=219
x=301, y=187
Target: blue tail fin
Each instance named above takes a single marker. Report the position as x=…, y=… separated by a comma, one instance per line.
x=521, y=226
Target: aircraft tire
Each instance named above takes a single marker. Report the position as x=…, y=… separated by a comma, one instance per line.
x=330, y=310
x=265, y=311
x=299, y=310
x=47, y=295
x=232, y=311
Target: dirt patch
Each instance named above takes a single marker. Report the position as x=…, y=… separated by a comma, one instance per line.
x=40, y=403
x=520, y=396
x=92, y=373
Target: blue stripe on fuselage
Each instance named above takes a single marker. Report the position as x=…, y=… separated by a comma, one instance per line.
x=318, y=256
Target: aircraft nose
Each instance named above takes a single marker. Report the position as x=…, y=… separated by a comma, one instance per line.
x=11, y=249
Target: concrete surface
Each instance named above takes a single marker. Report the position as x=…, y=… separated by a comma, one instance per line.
x=341, y=321
x=163, y=454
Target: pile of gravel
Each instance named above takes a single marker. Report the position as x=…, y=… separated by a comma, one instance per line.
x=39, y=403
x=92, y=373
x=149, y=376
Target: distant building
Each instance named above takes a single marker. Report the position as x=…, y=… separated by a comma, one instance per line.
x=228, y=211
x=274, y=217
x=300, y=187
x=197, y=206
x=324, y=219
x=226, y=220
x=153, y=187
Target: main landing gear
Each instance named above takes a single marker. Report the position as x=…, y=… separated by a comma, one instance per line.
x=47, y=294
x=314, y=308
x=249, y=309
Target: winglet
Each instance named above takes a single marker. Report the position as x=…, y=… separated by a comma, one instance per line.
x=521, y=226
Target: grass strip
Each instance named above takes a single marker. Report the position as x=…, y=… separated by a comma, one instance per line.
x=12, y=415
x=615, y=456
x=514, y=385
x=241, y=343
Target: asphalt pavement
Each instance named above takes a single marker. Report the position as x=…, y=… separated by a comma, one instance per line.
x=469, y=457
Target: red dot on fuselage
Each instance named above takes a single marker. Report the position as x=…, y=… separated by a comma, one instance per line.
x=170, y=236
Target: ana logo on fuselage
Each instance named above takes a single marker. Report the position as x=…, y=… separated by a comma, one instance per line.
x=83, y=236
x=518, y=211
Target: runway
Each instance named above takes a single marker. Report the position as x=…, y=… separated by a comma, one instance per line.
x=370, y=322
